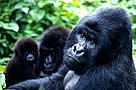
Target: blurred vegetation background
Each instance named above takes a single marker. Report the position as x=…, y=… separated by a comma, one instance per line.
x=29, y=18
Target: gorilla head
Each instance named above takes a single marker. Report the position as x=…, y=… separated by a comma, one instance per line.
x=27, y=50
x=99, y=38
x=52, y=43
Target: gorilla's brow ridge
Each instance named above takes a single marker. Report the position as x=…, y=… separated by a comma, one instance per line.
x=87, y=30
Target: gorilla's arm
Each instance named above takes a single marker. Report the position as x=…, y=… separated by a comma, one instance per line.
x=30, y=84
x=54, y=81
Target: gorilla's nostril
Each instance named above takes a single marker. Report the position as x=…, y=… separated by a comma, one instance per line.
x=30, y=57
x=81, y=48
x=74, y=49
x=78, y=49
x=79, y=52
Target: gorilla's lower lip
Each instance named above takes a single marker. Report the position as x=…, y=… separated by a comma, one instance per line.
x=73, y=57
x=30, y=59
x=47, y=66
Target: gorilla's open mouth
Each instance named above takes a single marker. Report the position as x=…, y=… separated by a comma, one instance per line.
x=72, y=58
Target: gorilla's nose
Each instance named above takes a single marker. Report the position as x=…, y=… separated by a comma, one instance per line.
x=30, y=57
x=78, y=49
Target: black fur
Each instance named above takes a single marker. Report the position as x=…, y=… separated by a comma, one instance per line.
x=18, y=68
x=109, y=65
x=53, y=82
x=52, y=42
x=53, y=39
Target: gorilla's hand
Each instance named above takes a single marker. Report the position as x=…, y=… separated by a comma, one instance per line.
x=30, y=84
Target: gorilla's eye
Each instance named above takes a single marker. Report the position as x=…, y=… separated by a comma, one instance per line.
x=90, y=44
x=82, y=35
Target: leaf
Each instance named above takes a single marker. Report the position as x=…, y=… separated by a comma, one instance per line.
x=11, y=26
x=18, y=16
x=4, y=44
x=11, y=46
x=2, y=80
x=6, y=59
x=37, y=14
x=42, y=3
x=134, y=26
x=18, y=6
x=25, y=9
x=57, y=4
x=1, y=50
x=28, y=31
x=1, y=23
x=65, y=18
x=134, y=47
x=52, y=18
x=30, y=20
x=2, y=68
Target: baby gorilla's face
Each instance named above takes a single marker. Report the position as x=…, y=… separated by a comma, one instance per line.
x=27, y=50
x=48, y=58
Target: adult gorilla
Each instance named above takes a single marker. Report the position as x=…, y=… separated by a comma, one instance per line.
x=99, y=49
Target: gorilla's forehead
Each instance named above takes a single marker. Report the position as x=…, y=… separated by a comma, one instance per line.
x=112, y=21
x=108, y=18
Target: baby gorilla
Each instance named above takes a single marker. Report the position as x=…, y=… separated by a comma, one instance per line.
x=52, y=44
x=21, y=65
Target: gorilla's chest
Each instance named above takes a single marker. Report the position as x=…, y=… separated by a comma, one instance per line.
x=70, y=80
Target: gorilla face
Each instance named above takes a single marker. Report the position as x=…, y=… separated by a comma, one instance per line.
x=27, y=50
x=48, y=62
x=52, y=43
x=81, y=48
x=30, y=56
x=48, y=59
x=96, y=39
x=79, y=54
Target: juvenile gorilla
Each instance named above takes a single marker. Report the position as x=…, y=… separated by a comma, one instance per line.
x=100, y=50
x=52, y=44
x=21, y=65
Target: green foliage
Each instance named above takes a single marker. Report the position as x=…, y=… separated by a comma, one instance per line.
x=2, y=81
x=29, y=18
